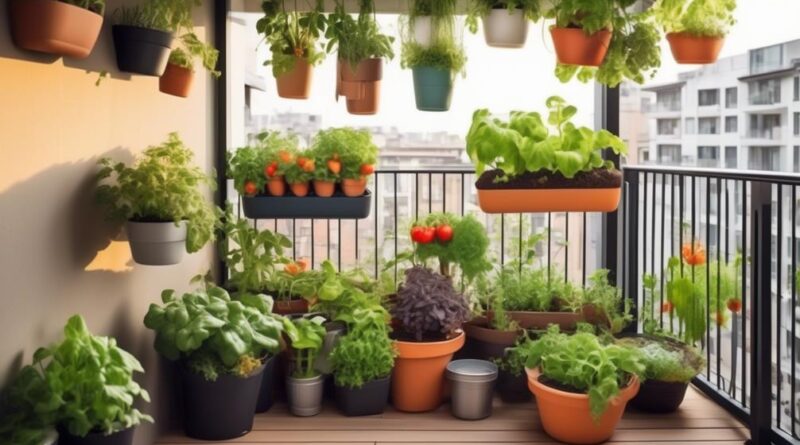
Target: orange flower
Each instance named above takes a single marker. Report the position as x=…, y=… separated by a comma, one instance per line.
x=694, y=254
x=667, y=307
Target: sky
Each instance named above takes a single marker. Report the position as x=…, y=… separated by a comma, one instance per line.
x=509, y=79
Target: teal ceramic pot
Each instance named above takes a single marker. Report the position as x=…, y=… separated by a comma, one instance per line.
x=433, y=88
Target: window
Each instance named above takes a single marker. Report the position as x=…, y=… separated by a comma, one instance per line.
x=765, y=92
x=796, y=158
x=796, y=124
x=731, y=97
x=765, y=158
x=669, y=154
x=707, y=156
x=708, y=125
x=765, y=126
x=731, y=155
x=690, y=125
x=667, y=126
x=731, y=124
x=644, y=154
x=668, y=100
x=707, y=98
x=766, y=59
x=796, y=88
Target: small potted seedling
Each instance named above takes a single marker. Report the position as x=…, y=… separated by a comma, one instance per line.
x=305, y=384
x=695, y=29
x=179, y=75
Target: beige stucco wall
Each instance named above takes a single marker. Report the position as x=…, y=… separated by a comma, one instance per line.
x=56, y=257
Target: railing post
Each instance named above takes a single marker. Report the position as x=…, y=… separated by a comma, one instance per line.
x=631, y=254
x=761, y=313
x=607, y=112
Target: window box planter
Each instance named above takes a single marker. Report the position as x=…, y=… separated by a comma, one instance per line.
x=296, y=84
x=157, y=243
x=293, y=306
x=574, y=47
x=54, y=27
x=433, y=88
x=337, y=206
x=124, y=437
x=367, y=400
x=141, y=50
x=176, y=81
x=690, y=49
x=360, y=85
x=486, y=343
x=505, y=29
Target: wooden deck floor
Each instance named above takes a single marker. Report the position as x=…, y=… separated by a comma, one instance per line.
x=698, y=422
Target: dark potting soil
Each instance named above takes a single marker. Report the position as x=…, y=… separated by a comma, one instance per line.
x=600, y=178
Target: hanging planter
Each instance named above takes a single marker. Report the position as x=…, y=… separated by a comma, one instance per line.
x=179, y=75
x=141, y=50
x=433, y=88
x=157, y=243
x=690, y=49
x=176, y=80
x=55, y=27
x=574, y=47
x=296, y=83
x=336, y=206
x=695, y=29
x=360, y=85
x=504, y=28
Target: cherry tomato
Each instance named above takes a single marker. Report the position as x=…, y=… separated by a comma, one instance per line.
x=285, y=156
x=720, y=319
x=250, y=188
x=334, y=166
x=416, y=233
x=269, y=171
x=735, y=305
x=667, y=307
x=428, y=235
x=309, y=166
x=367, y=169
x=444, y=233
x=301, y=161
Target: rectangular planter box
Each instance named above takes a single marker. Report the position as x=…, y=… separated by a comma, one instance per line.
x=549, y=200
x=337, y=206
x=567, y=321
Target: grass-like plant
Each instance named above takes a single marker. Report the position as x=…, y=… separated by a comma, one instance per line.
x=443, y=51
x=291, y=34
x=532, y=9
x=706, y=18
x=357, y=38
x=162, y=15
x=192, y=48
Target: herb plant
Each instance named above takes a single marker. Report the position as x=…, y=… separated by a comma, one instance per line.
x=478, y=9
x=344, y=152
x=161, y=186
x=357, y=39
x=444, y=51
x=366, y=353
x=611, y=309
x=191, y=48
x=305, y=338
x=291, y=34
x=96, y=6
x=248, y=166
x=707, y=18
x=667, y=360
x=163, y=15
x=516, y=358
x=534, y=289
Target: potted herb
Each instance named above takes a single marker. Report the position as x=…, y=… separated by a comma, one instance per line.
x=292, y=37
x=505, y=22
x=221, y=349
x=488, y=337
x=83, y=386
x=538, y=169
x=695, y=29
x=603, y=305
x=436, y=60
x=305, y=384
x=162, y=199
x=179, y=74
x=581, y=384
x=62, y=27
x=358, y=157
x=326, y=149
x=361, y=49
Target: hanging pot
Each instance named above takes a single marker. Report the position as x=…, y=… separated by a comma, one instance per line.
x=575, y=47
x=176, y=80
x=266, y=394
x=505, y=29
x=141, y=50
x=299, y=189
x=157, y=243
x=54, y=27
x=369, y=399
x=296, y=83
x=276, y=186
x=324, y=189
x=433, y=88
x=305, y=395
x=690, y=49
x=354, y=188
x=423, y=31
x=360, y=85
x=124, y=437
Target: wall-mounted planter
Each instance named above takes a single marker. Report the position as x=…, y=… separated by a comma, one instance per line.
x=141, y=50
x=124, y=437
x=575, y=47
x=157, y=243
x=53, y=27
x=266, y=395
x=367, y=400
x=690, y=49
x=433, y=88
x=505, y=29
x=485, y=343
x=287, y=207
x=360, y=85
x=423, y=31
x=296, y=84
x=176, y=81
x=595, y=191
x=305, y=395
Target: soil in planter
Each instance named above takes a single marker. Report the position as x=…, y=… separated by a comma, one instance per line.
x=600, y=178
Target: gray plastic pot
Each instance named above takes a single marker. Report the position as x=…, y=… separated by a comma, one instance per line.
x=157, y=243
x=305, y=395
x=472, y=388
x=505, y=29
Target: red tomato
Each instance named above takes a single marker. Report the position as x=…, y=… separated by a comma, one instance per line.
x=666, y=307
x=367, y=169
x=269, y=171
x=416, y=233
x=428, y=235
x=735, y=305
x=250, y=188
x=444, y=233
x=720, y=319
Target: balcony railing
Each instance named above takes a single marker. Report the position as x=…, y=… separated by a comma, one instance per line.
x=663, y=107
x=765, y=98
x=773, y=133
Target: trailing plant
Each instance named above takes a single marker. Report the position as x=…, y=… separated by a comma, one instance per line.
x=344, y=153
x=707, y=18
x=448, y=56
x=305, y=338
x=83, y=384
x=214, y=334
x=192, y=48
x=96, y=6
x=526, y=144
x=161, y=186
x=163, y=15
x=478, y=9
x=444, y=51
x=613, y=312
x=292, y=34
x=667, y=360
x=270, y=156
x=357, y=39
x=582, y=362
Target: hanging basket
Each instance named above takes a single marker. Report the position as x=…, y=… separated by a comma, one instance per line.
x=574, y=47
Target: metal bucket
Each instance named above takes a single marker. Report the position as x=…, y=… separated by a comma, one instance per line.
x=305, y=395
x=472, y=386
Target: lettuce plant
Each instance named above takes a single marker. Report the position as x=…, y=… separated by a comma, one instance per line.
x=357, y=38
x=291, y=34
x=706, y=18
x=305, y=338
x=525, y=143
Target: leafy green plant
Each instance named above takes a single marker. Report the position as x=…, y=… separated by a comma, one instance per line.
x=357, y=39
x=532, y=9
x=444, y=51
x=526, y=144
x=192, y=48
x=708, y=18
x=611, y=310
x=163, y=15
x=248, y=165
x=366, y=353
x=161, y=186
x=292, y=34
x=83, y=384
x=305, y=338
x=213, y=333
x=535, y=289
x=666, y=360
x=584, y=363
x=347, y=148
x=96, y=6
x=516, y=358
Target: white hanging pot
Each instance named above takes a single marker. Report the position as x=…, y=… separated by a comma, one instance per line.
x=505, y=29
x=157, y=243
x=423, y=31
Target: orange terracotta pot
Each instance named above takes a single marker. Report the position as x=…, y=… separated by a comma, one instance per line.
x=418, y=376
x=566, y=416
x=299, y=188
x=689, y=49
x=296, y=84
x=276, y=186
x=548, y=200
x=574, y=47
x=288, y=307
x=360, y=85
x=54, y=27
x=324, y=189
x=354, y=187
x=176, y=81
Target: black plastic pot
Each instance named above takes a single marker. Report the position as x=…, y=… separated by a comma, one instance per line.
x=266, y=395
x=222, y=409
x=513, y=389
x=141, y=50
x=337, y=206
x=367, y=400
x=124, y=437
x=656, y=396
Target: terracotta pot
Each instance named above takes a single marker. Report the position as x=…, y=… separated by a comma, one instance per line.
x=354, y=187
x=176, y=80
x=418, y=376
x=289, y=307
x=574, y=47
x=566, y=416
x=567, y=321
x=593, y=315
x=690, y=49
x=299, y=188
x=360, y=85
x=54, y=27
x=486, y=343
x=276, y=186
x=324, y=189
x=296, y=84
x=548, y=200
x=656, y=396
